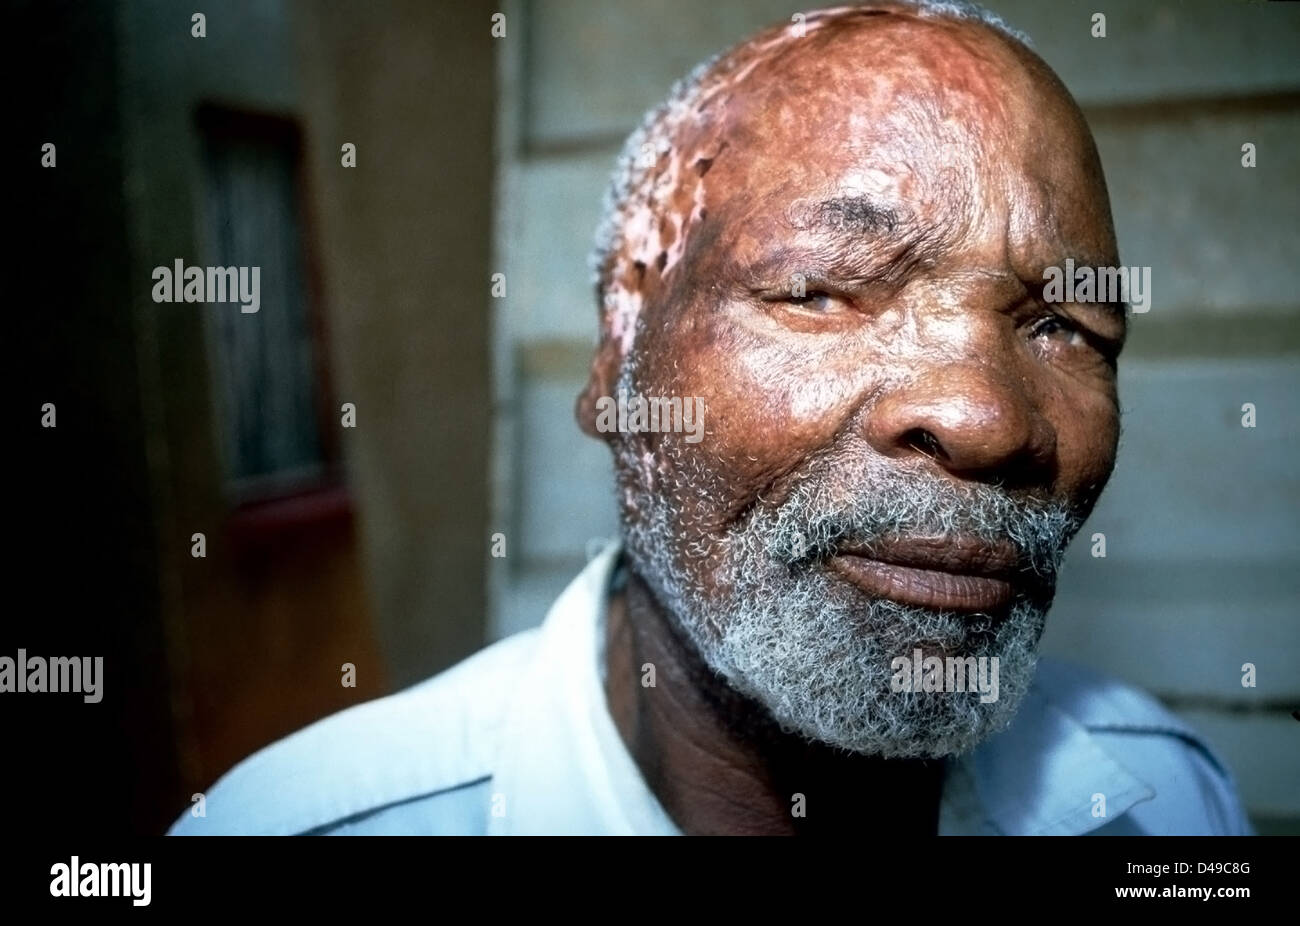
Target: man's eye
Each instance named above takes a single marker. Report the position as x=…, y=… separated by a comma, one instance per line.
x=814, y=299
x=1059, y=327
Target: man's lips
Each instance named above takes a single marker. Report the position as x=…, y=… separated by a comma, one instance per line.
x=951, y=574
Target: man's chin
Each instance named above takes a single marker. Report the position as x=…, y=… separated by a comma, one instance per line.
x=888, y=681
x=817, y=653
x=934, y=732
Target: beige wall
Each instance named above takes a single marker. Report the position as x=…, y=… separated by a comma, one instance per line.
x=405, y=239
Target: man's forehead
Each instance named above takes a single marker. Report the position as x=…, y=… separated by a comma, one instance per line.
x=894, y=83
x=945, y=113
x=872, y=56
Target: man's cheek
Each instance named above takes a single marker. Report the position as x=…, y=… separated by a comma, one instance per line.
x=1087, y=440
x=762, y=405
x=784, y=414
x=752, y=452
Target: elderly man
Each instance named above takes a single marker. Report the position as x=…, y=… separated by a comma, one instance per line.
x=826, y=606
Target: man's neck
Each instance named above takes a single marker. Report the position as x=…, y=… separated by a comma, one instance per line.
x=720, y=765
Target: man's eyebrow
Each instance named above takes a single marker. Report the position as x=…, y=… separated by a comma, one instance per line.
x=858, y=234
x=853, y=216
x=1120, y=309
x=853, y=236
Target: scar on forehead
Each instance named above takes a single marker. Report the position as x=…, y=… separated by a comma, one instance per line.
x=658, y=226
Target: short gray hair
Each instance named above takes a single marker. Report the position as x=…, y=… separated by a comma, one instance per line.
x=630, y=184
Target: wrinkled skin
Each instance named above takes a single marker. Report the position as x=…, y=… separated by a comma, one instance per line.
x=921, y=334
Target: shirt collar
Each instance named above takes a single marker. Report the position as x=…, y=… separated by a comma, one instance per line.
x=563, y=767
x=1045, y=775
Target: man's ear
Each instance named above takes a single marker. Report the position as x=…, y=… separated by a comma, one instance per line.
x=604, y=374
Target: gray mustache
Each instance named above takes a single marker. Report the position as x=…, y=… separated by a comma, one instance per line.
x=821, y=515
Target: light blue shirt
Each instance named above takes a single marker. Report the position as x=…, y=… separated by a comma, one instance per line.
x=518, y=739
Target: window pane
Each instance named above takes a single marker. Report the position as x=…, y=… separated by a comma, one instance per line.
x=262, y=362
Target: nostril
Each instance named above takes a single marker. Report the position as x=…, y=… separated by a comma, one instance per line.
x=923, y=441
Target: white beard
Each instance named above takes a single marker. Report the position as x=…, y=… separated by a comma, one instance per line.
x=810, y=648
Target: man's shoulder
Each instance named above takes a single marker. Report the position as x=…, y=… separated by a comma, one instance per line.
x=1194, y=788
x=417, y=760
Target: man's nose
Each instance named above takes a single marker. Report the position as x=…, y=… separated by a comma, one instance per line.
x=970, y=420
